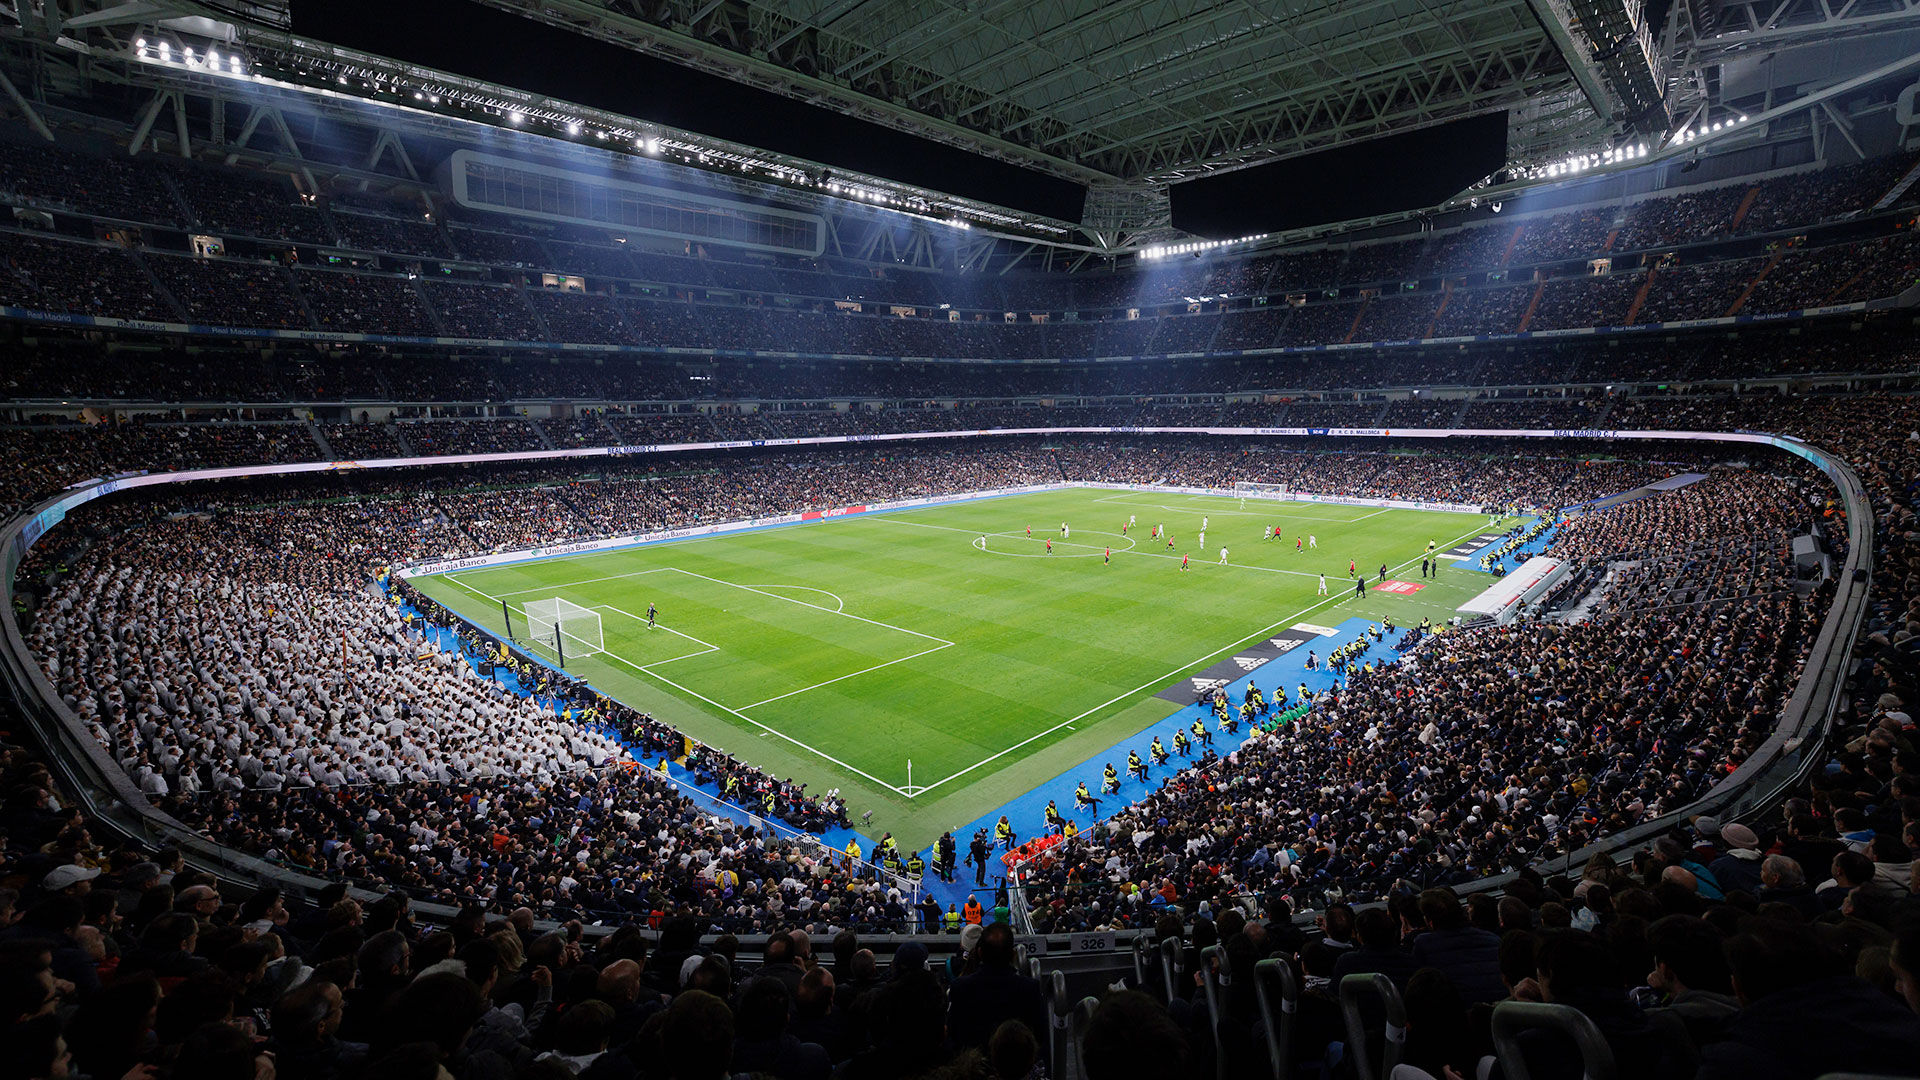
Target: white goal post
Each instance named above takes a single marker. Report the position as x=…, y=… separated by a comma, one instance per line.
x=564, y=627
x=1247, y=489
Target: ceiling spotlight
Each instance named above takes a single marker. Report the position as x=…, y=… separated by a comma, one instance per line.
x=573, y=127
x=512, y=117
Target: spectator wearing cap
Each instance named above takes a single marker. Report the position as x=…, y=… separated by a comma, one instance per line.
x=1739, y=868
x=68, y=880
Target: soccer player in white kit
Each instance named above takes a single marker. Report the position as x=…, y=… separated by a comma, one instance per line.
x=1323, y=587
x=1203, y=539
x=1313, y=541
x=1223, y=556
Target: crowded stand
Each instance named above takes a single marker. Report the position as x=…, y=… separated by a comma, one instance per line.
x=1533, y=412
x=1706, y=290
x=1495, y=309
x=362, y=441
x=1398, y=317
x=483, y=311
x=579, y=316
x=110, y=186
x=241, y=650
x=580, y=429
x=1585, y=300
x=1470, y=248
x=1370, y=264
x=1167, y=855
x=1687, y=218
x=325, y=375
x=1573, y=234
x=1819, y=194
x=368, y=303
x=499, y=248
x=239, y=292
x=65, y=369
x=263, y=205
x=259, y=205
x=75, y=277
x=486, y=436
x=400, y=236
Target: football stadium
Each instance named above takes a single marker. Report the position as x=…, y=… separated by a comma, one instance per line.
x=879, y=539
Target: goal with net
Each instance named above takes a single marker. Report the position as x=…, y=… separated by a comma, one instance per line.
x=563, y=627
x=1247, y=489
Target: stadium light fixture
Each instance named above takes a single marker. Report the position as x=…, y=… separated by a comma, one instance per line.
x=514, y=117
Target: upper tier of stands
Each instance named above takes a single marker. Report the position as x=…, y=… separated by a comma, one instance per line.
x=388, y=265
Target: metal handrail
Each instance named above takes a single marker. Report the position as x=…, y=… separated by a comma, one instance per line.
x=1214, y=974
x=1512, y=1017
x=1173, y=958
x=1279, y=995
x=1395, y=1036
x=1060, y=1010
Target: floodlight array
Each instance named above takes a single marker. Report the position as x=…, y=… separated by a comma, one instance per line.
x=1165, y=251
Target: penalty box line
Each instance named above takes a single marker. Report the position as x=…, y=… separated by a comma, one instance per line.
x=688, y=690
x=648, y=669
x=1168, y=677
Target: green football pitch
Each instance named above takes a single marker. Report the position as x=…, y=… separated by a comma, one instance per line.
x=933, y=663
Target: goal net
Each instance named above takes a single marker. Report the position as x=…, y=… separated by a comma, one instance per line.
x=564, y=628
x=1247, y=489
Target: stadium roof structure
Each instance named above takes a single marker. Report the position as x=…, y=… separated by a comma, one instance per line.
x=1120, y=97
